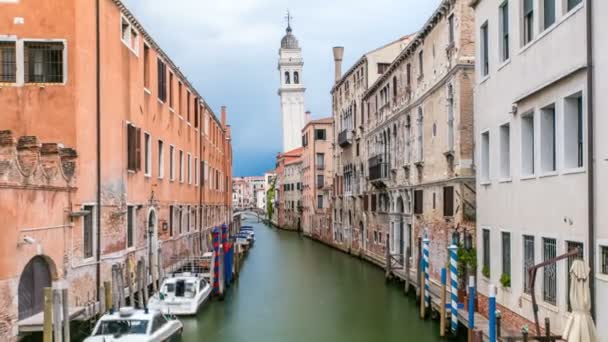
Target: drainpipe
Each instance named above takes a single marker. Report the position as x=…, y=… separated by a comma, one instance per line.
x=201, y=178
x=98, y=143
x=590, y=155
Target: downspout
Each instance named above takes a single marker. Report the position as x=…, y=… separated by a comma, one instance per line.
x=98, y=143
x=590, y=156
x=201, y=179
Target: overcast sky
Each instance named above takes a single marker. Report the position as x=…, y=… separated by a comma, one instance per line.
x=229, y=49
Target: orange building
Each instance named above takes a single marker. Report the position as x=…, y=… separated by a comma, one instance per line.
x=287, y=212
x=108, y=154
x=317, y=166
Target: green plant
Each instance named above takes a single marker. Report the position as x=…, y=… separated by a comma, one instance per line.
x=467, y=258
x=505, y=280
x=270, y=201
x=485, y=271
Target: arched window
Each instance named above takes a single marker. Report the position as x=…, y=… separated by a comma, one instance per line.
x=296, y=78
x=394, y=86
x=287, y=80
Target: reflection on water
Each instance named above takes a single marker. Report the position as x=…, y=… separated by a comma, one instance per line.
x=294, y=289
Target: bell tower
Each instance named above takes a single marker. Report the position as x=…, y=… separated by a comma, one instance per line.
x=291, y=90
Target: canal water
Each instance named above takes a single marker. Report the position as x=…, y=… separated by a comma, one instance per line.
x=294, y=289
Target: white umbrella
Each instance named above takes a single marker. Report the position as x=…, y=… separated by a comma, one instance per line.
x=580, y=326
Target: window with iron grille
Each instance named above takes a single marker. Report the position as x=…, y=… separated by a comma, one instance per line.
x=87, y=231
x=604, y=259
x=43, y=62
x=8, y=62
x=418, y=201
x=486, y=250
x=528, y=260
x=162, y=81
x=506, y=253
x=130, y=226
x=570, y=246
x=448, y=201
x=550, y=271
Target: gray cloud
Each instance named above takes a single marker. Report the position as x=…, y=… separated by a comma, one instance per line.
x=229, y=50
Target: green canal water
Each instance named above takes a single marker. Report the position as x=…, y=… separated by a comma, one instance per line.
x=294, y=289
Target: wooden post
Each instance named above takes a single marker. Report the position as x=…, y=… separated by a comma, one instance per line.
x=547, y=327
x=407, y=270
x=443, y=297
x=140, y=286
x=130, y=294
x=66, y=315
x=422, y=302
x=47, y=334
x=153, y=264
x=121, y=285
x=387, y=255
x=498, y=325
x=479, y=336
x=57, y=308
x=144, y=276
x=108, y=294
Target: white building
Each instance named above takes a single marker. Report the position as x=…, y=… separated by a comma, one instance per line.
x=291, y=90
x=532, y=140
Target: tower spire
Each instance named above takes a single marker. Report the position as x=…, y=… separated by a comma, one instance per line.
x=288, y=17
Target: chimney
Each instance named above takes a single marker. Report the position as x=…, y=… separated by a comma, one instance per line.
x=223, y=116
x=307, y=116
x=338, y=53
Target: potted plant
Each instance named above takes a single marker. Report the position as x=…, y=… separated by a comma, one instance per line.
x=505, y=280
x=467, y=265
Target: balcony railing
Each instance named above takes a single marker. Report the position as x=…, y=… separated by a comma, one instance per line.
x=345, y=137
x=378, y=169
x=321, y=166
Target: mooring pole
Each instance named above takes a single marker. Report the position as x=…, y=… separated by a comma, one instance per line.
x=471, y=307
x=492, y=313
x=422, y=294
x=443, y=302
x=47, y=325
x=66, y=315
x=454, y=286
x=108, y=294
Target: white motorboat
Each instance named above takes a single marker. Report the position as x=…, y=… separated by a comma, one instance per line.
x=181, y=294
x=136, y=325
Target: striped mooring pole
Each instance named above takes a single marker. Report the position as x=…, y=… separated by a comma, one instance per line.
x=492, y=312
x=216, y=263
x=454, y=285
x=425, y=264
x=471, y=306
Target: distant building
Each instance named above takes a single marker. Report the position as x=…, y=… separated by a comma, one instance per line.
x=287, y=189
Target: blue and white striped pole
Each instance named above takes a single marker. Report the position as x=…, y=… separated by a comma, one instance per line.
x=492, y=312
x=471, y=306
x=454, y=285
x=427, y=291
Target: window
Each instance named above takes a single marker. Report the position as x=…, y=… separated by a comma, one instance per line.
x=181, y=166
x=420, y=63
x=296, y=77
x=418, y=202
x=382, y=67
x=450, y=118
x=171, y=99
x=505, y=151
x=172, y=163
x=527, y=144
x=547, y=136
x=147, y=154
x=179, y=98
x=162, y=81
x=506, y=253
x=195, y=165
x=408, y=76
x=451, y=29
x=448, y=201
x=548, y=13
x=171, y=219
x=485, y=156
x=573, y=3
x=485, y=58
x=573, y=132
x=130, y=226
x=420, y=124
x=87, y=231
x=320, y=181
x=604, y=260
x=189, y=165
x=549, y=271
x=146, y=66
x=320, y=201
x=188, y=212
x=528, y=21
x=180, y=215
x=161, y=159
x=129, y=36
x=43, y=62
x=320, y=161
x=187, y=105
x=320, y=134
x=528, y=260
x=486, y=252
x=504, y=31
x=571, y=246
x=434, y=200
x=287, y=79
x=8, y=62
x=196, y=106
x=133, y=148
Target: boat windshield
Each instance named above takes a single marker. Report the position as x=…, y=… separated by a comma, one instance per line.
x=190, y=290
x=122, y=327
x=169, y=287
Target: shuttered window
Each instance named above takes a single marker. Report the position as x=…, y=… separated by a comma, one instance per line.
x=162, y=81
x=418, y=201
x=130, y=226
x=373, y=203
x=87, y=231
x=448, y=201
x=486, y=252
x=506, y=253
x=133, y=148
x=365, y=203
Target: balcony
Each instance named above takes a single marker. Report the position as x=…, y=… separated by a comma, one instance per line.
x=345, y=138
x=321, y=167
x=378, y=171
